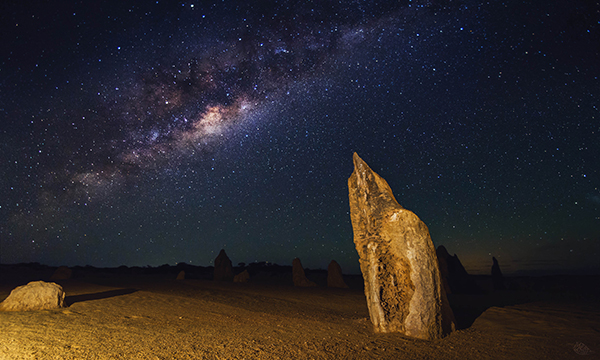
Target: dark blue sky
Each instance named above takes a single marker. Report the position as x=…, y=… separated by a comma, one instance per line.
x=144, y=133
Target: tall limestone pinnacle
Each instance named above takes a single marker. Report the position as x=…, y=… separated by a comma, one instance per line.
x=398, y=261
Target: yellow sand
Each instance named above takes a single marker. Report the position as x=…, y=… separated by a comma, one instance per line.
x=159, y=318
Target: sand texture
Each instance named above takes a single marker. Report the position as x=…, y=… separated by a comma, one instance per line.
x=158, y=317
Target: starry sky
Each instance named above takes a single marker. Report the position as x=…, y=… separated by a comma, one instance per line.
x=150, y=132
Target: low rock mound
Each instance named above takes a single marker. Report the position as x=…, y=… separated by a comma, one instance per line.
x=62, y=273
x=37, y=295
x=242, y=277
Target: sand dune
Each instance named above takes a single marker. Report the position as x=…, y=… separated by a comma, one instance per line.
x=156, y=317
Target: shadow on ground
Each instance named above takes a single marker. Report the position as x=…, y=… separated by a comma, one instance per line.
x=70, y=300
x=467, y=308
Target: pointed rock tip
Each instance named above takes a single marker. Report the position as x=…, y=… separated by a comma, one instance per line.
x=357, y=160
x=359, y=164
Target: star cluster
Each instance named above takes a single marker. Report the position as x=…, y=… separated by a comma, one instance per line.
x=144, y=133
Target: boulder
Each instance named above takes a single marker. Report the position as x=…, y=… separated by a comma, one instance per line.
x=334, y=275
x=223, y=268
x=242, y=277
x=398, y=262
x=455, y=278
x=181, y=275
x=37, y=295
x=62, y=273
x=298, y=275
x=497, y=278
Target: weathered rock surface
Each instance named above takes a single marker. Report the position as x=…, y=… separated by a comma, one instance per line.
x=497, y=278
x=403, y=285
x=298, y=275
x=242, y=277
x=37, y=295
x=62, y=273
x=455, y=278
x=223, y=268
x=334, y=275
x=181, y=275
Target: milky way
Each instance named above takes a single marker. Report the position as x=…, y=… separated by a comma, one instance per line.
x=183, y=106
x=146, y=133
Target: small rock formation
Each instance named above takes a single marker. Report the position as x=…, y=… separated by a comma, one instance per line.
x=403, y=285
x=242, y=277
x=62, y=273
x=454, y=276
x=298, y=275
x=334, y=275
x=37, y=295
x=181, y=275
x=223, y=268
x=497, y=278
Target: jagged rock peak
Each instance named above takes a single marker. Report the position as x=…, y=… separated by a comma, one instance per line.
x=398, y=261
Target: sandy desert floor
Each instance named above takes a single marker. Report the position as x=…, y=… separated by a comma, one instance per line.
x=156, y=317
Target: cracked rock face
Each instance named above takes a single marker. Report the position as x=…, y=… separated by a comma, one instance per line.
x=398, y=261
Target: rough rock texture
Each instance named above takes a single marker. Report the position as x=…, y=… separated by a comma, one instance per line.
x=497, y=278
x=181, y=275
x=37, y=295
x=455, y=278
x=223, y=268
x=62, y=273
x=403, y=285
x=334, y=275
x=298, y=275
x=242, y=277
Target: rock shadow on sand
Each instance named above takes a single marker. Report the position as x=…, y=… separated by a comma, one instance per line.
x=467, y=308
x=72, y=299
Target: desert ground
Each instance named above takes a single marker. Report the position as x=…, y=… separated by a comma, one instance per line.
x=136, y=315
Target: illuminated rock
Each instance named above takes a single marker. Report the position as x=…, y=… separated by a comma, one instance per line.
x=334, y=275
x=37, y=295
x=402, y=279
x=298, y=275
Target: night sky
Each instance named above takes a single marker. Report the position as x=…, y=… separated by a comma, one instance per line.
x=150, y=132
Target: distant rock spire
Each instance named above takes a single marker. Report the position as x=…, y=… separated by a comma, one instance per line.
x=455, y=277
x=497, y=278
x=334, y=275
x=223, y=268
x=298, y=275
